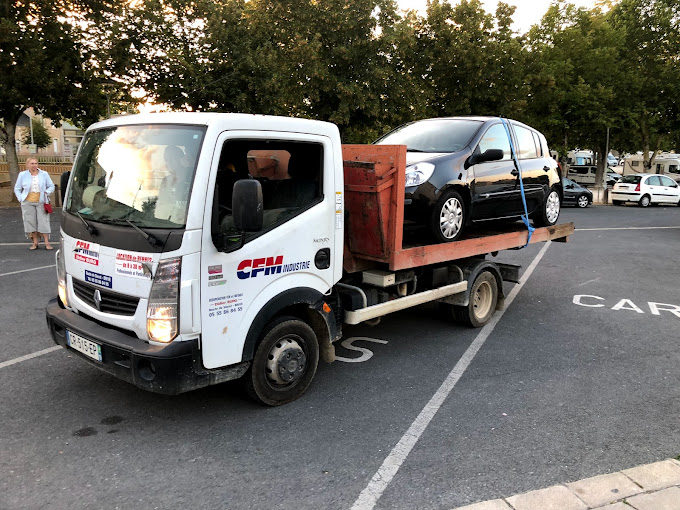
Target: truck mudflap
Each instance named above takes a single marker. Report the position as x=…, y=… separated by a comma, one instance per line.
x=167, y=369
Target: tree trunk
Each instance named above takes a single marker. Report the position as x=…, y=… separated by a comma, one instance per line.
x=8, y=137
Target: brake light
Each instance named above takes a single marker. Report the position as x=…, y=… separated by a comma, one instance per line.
x=637, y=188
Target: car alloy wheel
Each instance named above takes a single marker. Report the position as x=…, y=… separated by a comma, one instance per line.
x=582, y=201
x=448, y=217
x=645, y=201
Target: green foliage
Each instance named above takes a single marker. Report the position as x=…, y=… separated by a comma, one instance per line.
x=41, y=137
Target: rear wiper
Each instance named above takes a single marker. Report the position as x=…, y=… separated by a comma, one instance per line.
x=149, y=238
x=90, y=228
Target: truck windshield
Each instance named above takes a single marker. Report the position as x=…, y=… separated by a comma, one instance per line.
x=433, y=135
x=141, y=173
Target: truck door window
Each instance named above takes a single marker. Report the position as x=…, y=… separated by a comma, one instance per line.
x=290, y=174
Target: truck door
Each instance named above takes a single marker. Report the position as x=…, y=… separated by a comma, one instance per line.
x=294, y=250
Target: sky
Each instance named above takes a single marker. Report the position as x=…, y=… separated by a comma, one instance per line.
x=529, y=12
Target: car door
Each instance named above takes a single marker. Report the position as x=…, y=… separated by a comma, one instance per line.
x=671, y=192
x=570, y=191
x=534, y=168
x=495, y=187
x=654, y=189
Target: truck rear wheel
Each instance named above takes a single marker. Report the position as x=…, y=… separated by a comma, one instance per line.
x=483, y=300
x=284, y=364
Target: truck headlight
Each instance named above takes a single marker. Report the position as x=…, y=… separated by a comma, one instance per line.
x=61, y=275
x=418, y=173
x=163, y=309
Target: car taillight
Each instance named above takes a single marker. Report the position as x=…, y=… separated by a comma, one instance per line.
x=637, y=188
x=163, y=309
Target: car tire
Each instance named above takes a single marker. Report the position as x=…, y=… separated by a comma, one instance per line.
x=550, y=210
x=448, y=217
x=483, y=302
x=645, y=201
x=284, y=364
x=582, y=201
x=617, y=202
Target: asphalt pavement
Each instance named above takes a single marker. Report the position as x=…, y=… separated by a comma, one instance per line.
x=577, y=378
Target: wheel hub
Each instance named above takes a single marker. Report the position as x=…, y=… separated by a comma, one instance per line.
x=286, y=362
x=451, y=218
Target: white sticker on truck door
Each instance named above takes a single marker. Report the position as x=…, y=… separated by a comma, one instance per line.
x=86, y=252
x=136, y=265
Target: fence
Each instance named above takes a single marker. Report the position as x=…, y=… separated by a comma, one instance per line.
x=42, y=160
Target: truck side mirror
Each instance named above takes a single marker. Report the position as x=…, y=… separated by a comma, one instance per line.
x=247, y=206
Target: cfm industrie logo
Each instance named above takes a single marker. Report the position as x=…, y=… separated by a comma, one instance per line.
x=250, y=268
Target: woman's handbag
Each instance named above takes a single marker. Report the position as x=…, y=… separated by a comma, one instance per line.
x=47, y=205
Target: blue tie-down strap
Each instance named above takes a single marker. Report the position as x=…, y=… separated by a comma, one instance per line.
x=525, y=216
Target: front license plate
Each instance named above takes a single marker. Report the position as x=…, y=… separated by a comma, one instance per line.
x=87, y=347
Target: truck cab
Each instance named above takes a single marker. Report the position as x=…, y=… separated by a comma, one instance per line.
x=155, y=279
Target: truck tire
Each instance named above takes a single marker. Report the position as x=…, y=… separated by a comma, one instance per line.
x=482, y=305
x=284, y=364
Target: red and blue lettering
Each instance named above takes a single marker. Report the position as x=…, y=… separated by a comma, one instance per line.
x=251, y=267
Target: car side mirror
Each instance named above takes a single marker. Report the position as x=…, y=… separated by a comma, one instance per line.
x=247, y=206
x=487, y=155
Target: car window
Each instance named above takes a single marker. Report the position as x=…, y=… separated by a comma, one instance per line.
x=496, y=138
x=525, y=140
x=665, y=181
x=630, y=179
x=653, y=181
x=537, y=142
x=673, y=169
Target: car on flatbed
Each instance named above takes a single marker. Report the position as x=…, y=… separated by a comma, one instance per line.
x=462, y=170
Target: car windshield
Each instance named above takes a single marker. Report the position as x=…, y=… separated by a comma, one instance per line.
x=437, y=135
x=140, y=174
x=630, y=179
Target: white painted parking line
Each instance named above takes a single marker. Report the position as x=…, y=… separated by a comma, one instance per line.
x=26, y=270
x=370, y=495
x=28, y=356
x=622, y=228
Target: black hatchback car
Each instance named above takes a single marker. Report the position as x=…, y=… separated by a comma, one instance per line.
x=575, y=194
x=460, y=170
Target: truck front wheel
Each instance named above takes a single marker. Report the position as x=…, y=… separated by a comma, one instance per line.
x=483, y=300
x=284, y=363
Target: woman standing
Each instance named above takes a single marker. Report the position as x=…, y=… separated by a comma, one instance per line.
x=32, y=188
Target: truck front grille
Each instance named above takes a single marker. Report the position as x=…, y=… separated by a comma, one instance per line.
x=110, y=302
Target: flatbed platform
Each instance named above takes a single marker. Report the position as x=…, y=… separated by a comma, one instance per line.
x=374, y=202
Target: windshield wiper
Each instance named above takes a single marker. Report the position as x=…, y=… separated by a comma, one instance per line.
x=149, y=238
x=90, y=228
x=409, y=149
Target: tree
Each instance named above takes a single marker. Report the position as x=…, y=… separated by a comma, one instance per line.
x=651, y=75
x=46, y=65
x=41, y=137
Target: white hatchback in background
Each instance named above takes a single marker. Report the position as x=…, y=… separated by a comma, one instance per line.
x=646, y=189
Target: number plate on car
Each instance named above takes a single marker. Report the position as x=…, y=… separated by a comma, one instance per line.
x=87, y=347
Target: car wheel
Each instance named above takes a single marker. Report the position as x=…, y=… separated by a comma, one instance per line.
x=645, y=201
x=582, y=201
x=617, y=202
x=448, y=217
x=483, y=301
x=284, y=364
x=550, y=210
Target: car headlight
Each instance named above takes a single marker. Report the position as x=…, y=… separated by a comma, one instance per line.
x=418, y=173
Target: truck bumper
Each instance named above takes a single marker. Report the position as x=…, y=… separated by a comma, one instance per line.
x=167, y=369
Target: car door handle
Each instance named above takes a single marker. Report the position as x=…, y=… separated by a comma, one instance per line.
x=546, y=168
x=515, y=172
